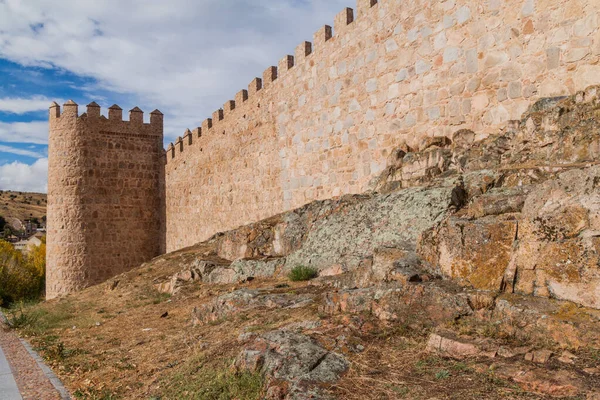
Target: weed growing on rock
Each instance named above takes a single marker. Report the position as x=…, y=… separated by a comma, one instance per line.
x=302, y=273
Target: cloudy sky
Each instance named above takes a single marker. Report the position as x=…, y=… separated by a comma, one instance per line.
x=184, y=57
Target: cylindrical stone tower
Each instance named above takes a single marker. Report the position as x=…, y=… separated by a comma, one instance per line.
x=65, y=239
x=105, y=191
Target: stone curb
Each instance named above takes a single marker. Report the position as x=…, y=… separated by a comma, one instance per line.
x=60, y=388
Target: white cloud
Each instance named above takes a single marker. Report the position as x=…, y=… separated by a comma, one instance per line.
x=24, y=132
x=185, y=57
x=20, y=152
x=22, y=105
x=182, y=56
x=24, y=177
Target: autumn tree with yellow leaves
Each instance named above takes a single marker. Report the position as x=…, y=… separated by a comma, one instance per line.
x=22, y=277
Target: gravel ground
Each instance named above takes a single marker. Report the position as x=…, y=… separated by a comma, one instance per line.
x=32, y=382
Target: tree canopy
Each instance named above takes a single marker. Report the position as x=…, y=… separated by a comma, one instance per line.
x=22, y=277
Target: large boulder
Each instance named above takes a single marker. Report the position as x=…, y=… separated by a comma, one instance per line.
x=418, y=305
x=475, y=253
x=294, y=364
x=543, y=241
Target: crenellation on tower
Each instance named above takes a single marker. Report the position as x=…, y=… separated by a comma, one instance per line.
x=70, y=110
x=93, y=110
x=115, y=113
x=197, y=133
x=156, y=118
x=136, y=116
x=54, y=111
x=113, y=124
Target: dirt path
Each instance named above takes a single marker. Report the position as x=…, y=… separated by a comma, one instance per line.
x=32, y=382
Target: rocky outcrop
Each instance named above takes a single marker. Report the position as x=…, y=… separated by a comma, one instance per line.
x=522, y=369
x=530, y=225
x=294, y=364
x=543, y=240
x=420, y=305
x=493, y=245
x=244, y=299
x=533, y=229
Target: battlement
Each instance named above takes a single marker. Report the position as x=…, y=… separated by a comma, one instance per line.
x=272, y=76
x=323, y=119
x=113, y=122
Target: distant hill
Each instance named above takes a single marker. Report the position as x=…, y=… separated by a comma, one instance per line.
x=17, y=207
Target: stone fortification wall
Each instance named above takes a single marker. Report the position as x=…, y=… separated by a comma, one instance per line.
x=324, y=121
x=105, y=195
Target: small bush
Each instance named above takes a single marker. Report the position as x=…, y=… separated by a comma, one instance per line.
x=302, y=273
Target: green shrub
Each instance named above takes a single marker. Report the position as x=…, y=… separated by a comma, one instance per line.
x=302, y=273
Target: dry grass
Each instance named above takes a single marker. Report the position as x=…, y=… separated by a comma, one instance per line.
x=397, y=368
x=113, y=344
x=198, y=378
x=22, y=205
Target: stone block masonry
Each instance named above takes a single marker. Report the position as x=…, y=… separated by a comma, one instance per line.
x=390, y=73
x=321, y=123
x=105, y=195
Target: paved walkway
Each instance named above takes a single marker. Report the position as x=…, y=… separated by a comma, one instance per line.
x=23, y=375
x=8, y=385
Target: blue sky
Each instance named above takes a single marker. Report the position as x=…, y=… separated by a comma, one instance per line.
x=184, y=57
